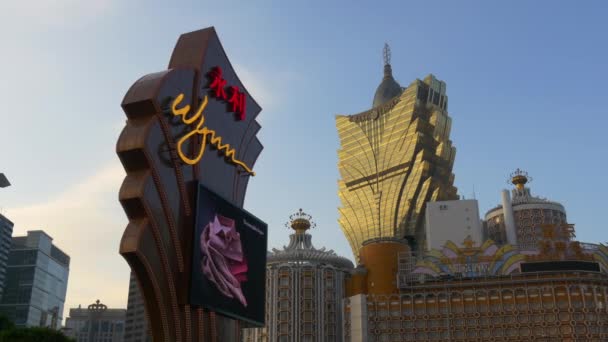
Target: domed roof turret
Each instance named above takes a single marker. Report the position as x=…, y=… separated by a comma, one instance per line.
x=388, y=88
x=300, y=249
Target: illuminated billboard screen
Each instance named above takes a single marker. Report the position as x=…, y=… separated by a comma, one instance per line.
x=566, y=265
x=229, y=259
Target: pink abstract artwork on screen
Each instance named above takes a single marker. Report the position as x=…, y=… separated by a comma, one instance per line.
x=222, y=261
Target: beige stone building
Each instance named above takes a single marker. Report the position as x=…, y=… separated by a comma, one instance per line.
x=96, y=323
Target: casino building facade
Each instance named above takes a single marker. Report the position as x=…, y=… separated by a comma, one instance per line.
x=553, y=290
x=521, y=277
x=304, y=290
x=488, y=293
x=393, y=159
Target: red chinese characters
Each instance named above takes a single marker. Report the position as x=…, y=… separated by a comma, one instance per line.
x=237, y=98
x=217, y=83
x=237, y=101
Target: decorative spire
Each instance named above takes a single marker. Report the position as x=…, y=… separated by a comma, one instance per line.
x=388, y=88
x=388, y=71
x=300, y=222
x=519, y=178
x=97, y=307
x=387, y=54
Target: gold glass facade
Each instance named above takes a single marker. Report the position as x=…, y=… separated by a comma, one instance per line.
x=392, y=160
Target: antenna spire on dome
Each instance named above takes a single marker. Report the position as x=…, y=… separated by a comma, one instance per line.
x=387, y=54
x=388, y=88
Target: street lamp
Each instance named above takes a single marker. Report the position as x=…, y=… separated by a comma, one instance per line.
x=4, y=181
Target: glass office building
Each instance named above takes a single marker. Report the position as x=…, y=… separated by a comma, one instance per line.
x=6, y=231
x=36, y=281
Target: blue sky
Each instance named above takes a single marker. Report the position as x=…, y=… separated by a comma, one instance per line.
x=525, y=81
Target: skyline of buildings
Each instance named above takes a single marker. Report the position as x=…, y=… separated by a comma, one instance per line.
x=33, y=283
x=36, y=281
x=534, y=230
x=512, y=98
x=483, y=290
x=517, y=275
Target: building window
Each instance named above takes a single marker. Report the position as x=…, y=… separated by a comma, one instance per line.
x=308, y=305
x=436, y=99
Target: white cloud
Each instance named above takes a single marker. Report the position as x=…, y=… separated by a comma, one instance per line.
x=87, y=222
x=256, y=86
x=267, y=88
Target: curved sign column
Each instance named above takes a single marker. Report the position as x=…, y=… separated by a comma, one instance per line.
x=189, y=148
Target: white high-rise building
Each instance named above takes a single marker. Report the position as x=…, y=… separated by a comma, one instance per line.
x=454, y=221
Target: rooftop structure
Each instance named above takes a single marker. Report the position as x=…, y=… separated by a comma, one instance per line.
x=388, y=88
x=520, y=224
x=300, y=249
x=96, y=323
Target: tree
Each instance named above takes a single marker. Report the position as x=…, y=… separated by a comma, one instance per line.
x=33, y=335
x=6, y=323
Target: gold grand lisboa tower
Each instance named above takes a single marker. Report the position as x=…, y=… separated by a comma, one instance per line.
x=393, y=159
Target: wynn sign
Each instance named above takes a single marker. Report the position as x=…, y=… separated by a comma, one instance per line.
x=189, y=148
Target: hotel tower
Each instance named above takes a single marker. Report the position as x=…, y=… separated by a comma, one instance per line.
x=393, y=158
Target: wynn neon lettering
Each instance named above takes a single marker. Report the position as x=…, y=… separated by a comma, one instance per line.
x=208, y=135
